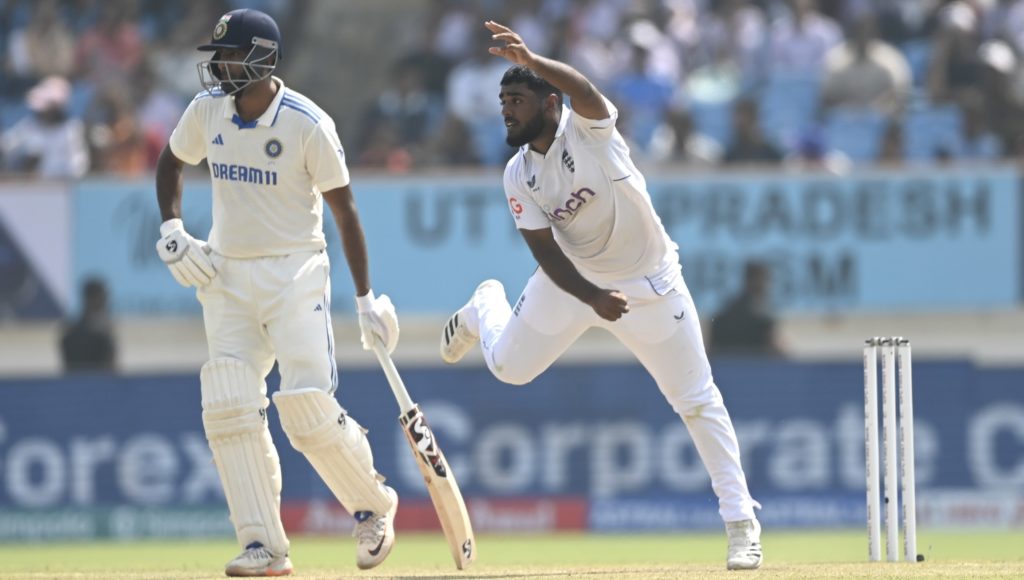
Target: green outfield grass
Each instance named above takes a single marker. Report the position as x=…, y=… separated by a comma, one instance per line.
x=816, y=554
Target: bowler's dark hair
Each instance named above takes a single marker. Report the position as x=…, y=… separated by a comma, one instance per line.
x=520, y=74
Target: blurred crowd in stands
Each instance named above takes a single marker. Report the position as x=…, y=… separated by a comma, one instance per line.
x=97, y=86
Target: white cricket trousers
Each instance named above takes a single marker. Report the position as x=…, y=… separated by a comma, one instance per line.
x=275, y=307
x=663, y=332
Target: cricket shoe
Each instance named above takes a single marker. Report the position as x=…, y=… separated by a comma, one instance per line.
x=375, y=534
x=457, y=336
x=744, y=545
x=256, y=560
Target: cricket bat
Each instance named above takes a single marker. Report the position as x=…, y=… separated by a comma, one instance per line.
x=441, y=485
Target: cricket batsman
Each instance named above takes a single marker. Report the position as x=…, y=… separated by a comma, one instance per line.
x=264, y=284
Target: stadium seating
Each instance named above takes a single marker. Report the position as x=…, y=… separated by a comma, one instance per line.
x=713, y=119
x=856, y=132
x=789, y=104
x=931, y=129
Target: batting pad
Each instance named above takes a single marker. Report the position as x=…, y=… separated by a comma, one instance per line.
x=336, y=445
x=235, y=420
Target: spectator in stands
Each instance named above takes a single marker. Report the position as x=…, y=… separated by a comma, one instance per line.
x=473, y=101
x=44, y=47
x=813, y=152
x=447, y=147
x=383, y=147
x=453, y=24
x=679, y=142
x=663, y=60
x=157, y=109
x=530, y=18
x=116, y=136
x=112, y=49
x=1002, y=91
x=737, y=30
x=746, y=325
x=892, y=150
x=642, y=96
x=592, y=39
x=903, y=21
x=1006, y=21
x=173, y=56
x=48, y=143
x=800, y=40
x=980, y=143
x=88, y=343
x=749, y=144
x=866, y=72
x=405, y=107
x=598, y=19
x=955, y=64
x=719, y=78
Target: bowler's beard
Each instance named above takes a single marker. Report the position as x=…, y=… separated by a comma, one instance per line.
x=527, y=133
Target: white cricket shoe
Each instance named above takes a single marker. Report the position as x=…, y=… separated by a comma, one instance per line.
x=457, y=338
x=744, y=545
x=375, y=534
x=256, y=560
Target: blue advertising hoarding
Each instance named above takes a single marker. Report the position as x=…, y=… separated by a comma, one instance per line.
x=874, y=241
x=134, y=446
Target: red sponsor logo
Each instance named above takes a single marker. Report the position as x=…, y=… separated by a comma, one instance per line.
x=542, y=514
x=517, y=208
x=488, y=515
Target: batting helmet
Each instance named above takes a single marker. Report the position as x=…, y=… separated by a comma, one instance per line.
x=244, y=29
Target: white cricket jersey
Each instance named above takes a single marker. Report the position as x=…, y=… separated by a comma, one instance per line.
x=587, y=189
x=267, y=174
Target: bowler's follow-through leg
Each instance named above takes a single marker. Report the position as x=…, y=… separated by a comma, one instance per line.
x=460, y=332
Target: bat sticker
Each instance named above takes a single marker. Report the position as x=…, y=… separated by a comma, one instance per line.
x=420, y=433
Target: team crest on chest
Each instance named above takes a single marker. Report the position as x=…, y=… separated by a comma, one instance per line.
x=568, y=162
x=273, y=148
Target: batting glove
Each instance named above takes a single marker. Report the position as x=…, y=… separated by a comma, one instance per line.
x=184, y=255
x=377, y=318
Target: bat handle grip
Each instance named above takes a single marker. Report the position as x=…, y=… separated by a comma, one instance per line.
x=394, y=379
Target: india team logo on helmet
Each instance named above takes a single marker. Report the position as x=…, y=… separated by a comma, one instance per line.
x=222, y=27
x=273, y=148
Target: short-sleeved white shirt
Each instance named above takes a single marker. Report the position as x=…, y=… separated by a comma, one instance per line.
x=587, y=189
x=267, y=175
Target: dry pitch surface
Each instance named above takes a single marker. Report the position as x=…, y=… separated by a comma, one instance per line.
x=813, y=554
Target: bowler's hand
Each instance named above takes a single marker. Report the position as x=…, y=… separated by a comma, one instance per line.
x=609, y=304
x=377, y=317
x=514, y=50
x=185, y=256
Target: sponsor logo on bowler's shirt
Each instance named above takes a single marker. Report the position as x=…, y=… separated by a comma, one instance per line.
x=576, y=201
x=517, y=208
x=243, y=173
